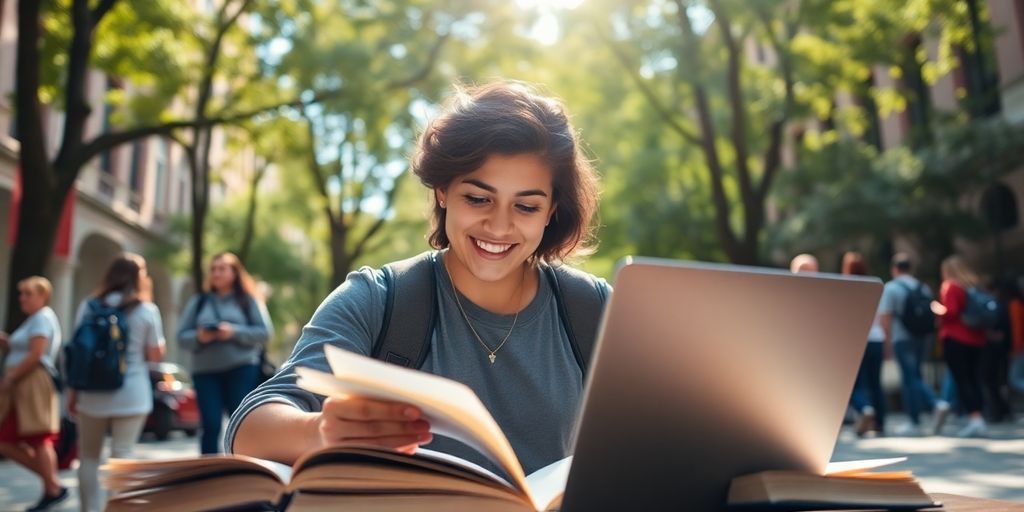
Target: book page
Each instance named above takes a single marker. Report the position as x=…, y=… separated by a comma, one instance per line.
x=452, y=408
x=548, y=483
x=124, y=475
x=852, y=467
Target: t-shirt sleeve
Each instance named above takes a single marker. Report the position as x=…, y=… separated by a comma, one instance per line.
x=350, y=318
x=38, y=325
x=887, y=304
x=155, y=330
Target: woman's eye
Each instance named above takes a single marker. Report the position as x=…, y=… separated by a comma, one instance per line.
x=528, y=208
x=475, y=200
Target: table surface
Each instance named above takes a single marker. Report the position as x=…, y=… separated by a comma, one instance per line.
x=955, y=503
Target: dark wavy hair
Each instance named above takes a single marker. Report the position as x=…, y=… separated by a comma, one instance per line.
x=123, y=277
x=508, y=118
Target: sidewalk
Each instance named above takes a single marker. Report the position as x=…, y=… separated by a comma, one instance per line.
x=988, y=468
x=992, y=467
x=20, y=489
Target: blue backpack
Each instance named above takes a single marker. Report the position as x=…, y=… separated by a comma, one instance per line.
x=980, y=311
x=94, y=360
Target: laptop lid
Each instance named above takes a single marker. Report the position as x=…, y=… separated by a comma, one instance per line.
x=705, y=372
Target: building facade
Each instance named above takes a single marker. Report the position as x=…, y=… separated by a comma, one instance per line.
x=122, y=200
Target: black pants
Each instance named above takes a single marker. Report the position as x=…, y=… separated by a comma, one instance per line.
x=964, y=362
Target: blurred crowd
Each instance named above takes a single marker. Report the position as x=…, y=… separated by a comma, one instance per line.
x=62, y=398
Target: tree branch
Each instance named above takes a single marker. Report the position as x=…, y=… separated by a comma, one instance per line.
x=420, y=74
x=707, y=141
x=357, y=251
x=100, y=11
x=664, y=112
x=107, y=141
x=773, y=154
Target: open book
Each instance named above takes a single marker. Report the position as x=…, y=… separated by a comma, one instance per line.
x=369, y=478
x=363, y=478
x=847, y=486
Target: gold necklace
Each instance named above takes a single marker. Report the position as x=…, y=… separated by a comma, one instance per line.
x=491, y=354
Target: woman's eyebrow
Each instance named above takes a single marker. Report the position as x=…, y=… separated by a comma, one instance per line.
x=489, y=188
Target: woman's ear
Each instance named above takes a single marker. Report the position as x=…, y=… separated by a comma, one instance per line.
x=553, y=212
x=439, y=195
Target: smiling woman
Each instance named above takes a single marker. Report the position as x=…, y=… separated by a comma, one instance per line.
x=513, y=195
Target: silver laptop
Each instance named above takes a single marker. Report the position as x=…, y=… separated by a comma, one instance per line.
x=705, y=372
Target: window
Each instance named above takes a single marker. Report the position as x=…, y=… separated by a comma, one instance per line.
x=161, y=164
x=999, y=208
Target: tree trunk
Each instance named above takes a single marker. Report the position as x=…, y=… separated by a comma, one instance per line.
x=38, y=218
x=249, y=231
x=341, y=263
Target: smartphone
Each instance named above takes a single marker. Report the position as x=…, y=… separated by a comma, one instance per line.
x=211, y=327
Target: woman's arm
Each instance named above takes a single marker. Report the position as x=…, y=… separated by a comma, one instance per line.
x=283, y=433
x=250, y=335
x=188, y=334
x=154, y=340
x=36, y=348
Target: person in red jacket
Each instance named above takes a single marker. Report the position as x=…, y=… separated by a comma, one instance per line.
x=962, y=346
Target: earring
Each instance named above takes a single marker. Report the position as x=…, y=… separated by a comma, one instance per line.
x=441, y=203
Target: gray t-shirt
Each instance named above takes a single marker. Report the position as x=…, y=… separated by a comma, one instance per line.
x=41, y=323
x=252, y=330
x=894, y=295
x=533, y=389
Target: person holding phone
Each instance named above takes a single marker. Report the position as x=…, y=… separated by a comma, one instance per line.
x=226, y=328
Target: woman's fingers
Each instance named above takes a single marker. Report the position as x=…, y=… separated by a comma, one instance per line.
x=376, y=422
x=364, y=409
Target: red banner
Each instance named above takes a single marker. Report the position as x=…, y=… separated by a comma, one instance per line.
x=62, y=245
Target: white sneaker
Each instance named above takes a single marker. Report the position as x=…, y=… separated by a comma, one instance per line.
x=907, y=430
x=975, y=428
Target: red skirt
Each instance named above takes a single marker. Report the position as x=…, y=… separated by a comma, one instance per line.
x=9, y=432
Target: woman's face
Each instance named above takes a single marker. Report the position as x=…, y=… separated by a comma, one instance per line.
x=30, y=300
x=495, y=216
x=222, y=275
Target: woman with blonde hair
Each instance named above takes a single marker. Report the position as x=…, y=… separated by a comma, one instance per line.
x=121, y=412
x=226, y=327
x=29, y=405
x=962, y=345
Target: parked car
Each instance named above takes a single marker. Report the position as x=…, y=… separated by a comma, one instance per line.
x=174, y=401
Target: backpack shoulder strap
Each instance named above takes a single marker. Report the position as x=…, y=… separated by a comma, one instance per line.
x=580, y=303
x=408, y=323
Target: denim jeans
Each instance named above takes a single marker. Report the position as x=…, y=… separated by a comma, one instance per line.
x=868, y=388
x=218, y=394
x=917, y=396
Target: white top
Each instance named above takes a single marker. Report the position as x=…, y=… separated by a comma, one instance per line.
x=145, y=329
x=41, y=323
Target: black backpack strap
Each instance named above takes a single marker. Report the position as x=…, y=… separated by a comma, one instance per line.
x=580, y=304
x=408, y=323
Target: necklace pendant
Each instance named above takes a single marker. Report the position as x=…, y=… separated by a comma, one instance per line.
x=492, y=357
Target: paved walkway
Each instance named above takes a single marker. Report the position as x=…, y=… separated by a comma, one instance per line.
x=988, y=468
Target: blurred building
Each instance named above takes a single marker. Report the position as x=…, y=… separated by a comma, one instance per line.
x=122, y=201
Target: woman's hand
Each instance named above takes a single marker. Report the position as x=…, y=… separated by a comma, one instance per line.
x=204, y=335
x=6, y=383
x=938, y=308
x=354, y=420
x=225, y=331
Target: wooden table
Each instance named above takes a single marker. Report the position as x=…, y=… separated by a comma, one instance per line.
x=955, y=503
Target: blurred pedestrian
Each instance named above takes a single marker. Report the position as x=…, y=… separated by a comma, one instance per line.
x=803, y=263
x=29, y=402
x=121, y=412
x=226, y=327
x=1015, y=311
x=908, y=346
x=868, y=398
x=962, y=345
x=995, y=361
